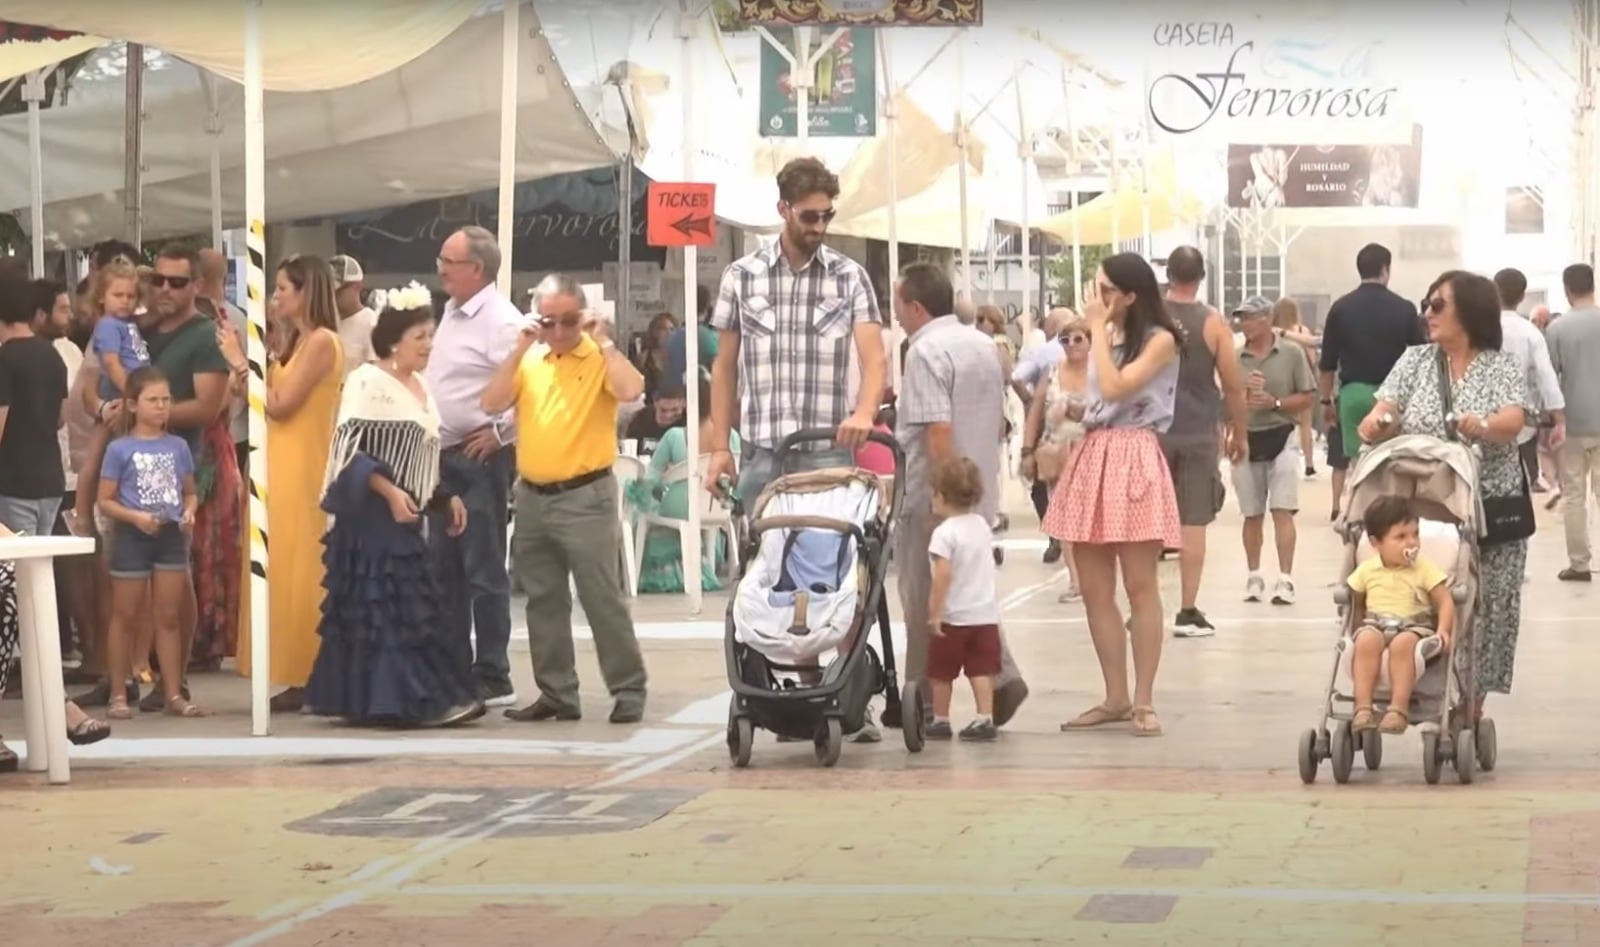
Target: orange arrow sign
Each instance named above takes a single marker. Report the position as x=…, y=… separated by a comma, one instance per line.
x=681, y=215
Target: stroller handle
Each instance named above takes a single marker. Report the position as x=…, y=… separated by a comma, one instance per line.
x=828, y=435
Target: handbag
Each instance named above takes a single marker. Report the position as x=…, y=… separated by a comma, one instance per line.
x=1048, y=462
x=1266, y=445
x=1506, y=519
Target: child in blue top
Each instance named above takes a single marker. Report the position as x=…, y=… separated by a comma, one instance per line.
x=119, y=351
x=147, y=492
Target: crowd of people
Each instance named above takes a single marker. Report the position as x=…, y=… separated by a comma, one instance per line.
x=400, y=441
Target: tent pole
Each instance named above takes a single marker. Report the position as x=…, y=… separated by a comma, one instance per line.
x=133, y=146
x=890, y=122
x=33, y=92
x=255, y=209
x=690, y=11
x=510, y=43
x=1028, y=321
x=961, y=151
x=208, y=83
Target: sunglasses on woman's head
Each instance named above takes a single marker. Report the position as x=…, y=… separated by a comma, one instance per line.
x=813, y=217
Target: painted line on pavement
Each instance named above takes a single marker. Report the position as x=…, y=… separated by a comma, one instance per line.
x=648, y=741
x=389, y=873
x=968, y=890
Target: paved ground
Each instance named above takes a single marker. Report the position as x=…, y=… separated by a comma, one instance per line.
x=185, y=832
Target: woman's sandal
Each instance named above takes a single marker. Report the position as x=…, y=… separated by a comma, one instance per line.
x=180, y=707
x=1145, y=722
x=1364, y=720
x=1394, y=722
x=119, y=709
x=1097, y=716
x=88, y=730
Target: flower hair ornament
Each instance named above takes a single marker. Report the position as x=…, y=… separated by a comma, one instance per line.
x=412, y=296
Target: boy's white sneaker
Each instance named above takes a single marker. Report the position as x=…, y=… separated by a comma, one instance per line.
x=1283, y=591
x=1255, y=587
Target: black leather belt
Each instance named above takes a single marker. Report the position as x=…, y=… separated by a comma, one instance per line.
x=565, y=486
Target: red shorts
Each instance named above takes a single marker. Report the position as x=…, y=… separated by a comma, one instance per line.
x=974, y=649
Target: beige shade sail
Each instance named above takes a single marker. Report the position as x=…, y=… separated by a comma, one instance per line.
x=20, y=57
x=1119, y=214
x=307, y=45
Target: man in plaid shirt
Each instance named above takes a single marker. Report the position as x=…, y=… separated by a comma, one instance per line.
x=787, y=318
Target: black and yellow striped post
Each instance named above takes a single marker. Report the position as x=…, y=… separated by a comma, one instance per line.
x=256, y=354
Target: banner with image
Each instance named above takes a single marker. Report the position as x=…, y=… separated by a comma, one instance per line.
x=1293, y=176
x=844, y=88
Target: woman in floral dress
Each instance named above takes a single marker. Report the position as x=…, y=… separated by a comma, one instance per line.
x=1489, y=396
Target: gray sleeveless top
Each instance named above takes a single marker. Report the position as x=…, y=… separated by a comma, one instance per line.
x=1199, y=406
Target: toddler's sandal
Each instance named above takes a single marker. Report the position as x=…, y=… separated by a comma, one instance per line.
x=1394, y=721
x=1364, y=720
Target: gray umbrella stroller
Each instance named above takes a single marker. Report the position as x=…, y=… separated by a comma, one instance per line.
x=1440, y=478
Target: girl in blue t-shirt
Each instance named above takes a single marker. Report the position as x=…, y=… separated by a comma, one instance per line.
x=119, y=350
x=147, y=492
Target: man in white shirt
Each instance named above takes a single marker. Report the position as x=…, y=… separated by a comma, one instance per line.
x=356, y=319
x=1525, y=342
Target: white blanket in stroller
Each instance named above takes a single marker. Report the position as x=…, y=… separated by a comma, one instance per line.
x=799, y=595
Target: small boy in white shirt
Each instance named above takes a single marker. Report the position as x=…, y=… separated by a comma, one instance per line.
x=963, y=612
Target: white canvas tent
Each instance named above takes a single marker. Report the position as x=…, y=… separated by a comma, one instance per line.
x=427, y=129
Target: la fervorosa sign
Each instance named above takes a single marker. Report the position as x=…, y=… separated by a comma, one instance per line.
x=1183, y=102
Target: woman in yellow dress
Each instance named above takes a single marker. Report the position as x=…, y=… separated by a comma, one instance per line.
x=302, y=404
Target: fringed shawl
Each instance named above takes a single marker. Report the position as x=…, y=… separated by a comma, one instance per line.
x=380, y=417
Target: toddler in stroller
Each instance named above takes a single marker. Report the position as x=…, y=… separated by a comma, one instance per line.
x=1402, y=598
x=1391, y=663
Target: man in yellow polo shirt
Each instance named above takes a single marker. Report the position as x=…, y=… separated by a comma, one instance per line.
x=565, y=390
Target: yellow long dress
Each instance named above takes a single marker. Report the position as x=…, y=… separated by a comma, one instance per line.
x=297, y=461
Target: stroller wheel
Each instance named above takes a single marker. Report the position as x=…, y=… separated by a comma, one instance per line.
x=741, y=739
x=1432, y=760
x=1487, y=745
x=912, y=722
x=1466, y=756
x=1372, y=749
x=829, y=740
x=1308, y=757
x=1342, y=750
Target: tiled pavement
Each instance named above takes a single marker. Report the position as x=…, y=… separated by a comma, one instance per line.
x=588, y=834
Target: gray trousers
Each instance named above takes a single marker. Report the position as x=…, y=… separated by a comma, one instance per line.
x=575, y=535
x=916, y=585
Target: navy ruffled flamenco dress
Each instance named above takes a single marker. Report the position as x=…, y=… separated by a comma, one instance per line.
x=384, y=660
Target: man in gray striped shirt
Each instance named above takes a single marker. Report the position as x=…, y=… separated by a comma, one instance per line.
x=951, y=404
x=787, y=317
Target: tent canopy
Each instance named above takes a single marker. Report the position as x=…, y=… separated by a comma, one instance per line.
x=428, y=129
x=1119, y=214
x=306, y=45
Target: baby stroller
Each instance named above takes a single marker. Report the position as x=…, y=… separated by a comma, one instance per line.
x=1440, y=478
x=813, y=562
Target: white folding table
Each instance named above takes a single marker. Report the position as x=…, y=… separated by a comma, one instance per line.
x=44, y=696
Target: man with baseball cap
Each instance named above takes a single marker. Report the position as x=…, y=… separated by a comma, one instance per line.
x=1278, y=387
x=356, y=320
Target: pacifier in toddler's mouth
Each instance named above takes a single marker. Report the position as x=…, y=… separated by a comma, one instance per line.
x=1410, y=553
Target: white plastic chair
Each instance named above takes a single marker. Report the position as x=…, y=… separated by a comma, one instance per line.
x=626, y=470
x=715, y=520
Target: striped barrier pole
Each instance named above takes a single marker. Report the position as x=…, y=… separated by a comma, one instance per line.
x=256, y=281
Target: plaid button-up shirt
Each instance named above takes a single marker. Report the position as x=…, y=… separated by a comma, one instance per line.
x=796, y=333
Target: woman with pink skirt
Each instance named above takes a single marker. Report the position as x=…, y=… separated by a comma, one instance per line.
x=1115, y=506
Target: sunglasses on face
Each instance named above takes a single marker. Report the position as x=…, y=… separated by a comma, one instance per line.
x=569, y=322
x=1106, y=289
x=1076, y=338
x=176, y=282
x=813, y=217
x=1436, y=305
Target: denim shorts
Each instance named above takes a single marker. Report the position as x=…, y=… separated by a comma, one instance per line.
x=135, y=554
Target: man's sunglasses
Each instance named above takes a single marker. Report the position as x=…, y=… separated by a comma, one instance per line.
x=813, y=217
x=571, y=322
x=176, y=282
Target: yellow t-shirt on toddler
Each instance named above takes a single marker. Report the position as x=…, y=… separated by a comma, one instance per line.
x=1400, y=591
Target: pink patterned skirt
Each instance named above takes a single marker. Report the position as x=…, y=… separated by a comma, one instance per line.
x=1117, y=490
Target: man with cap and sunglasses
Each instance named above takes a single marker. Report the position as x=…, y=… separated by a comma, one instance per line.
x=356, y=319
x=1279, y=386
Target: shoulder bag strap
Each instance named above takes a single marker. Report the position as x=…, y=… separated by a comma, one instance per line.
x=1445, y=400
